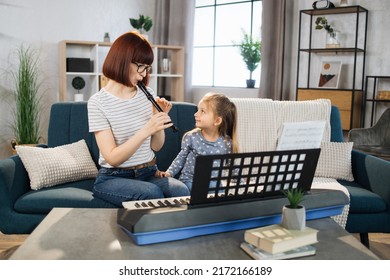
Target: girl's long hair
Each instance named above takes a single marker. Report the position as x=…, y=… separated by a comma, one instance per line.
x=227, y=110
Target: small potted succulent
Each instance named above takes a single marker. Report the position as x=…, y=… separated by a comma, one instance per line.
x=294, y=214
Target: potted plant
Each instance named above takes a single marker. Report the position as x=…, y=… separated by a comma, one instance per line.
x=294, y=214
x=250, y=50
x=143, y=23
x=26, y=124
x=331, y=35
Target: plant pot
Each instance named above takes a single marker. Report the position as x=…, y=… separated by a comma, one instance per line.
x=78, y=97
x=14, y=143
x=250, y=83
x=294, y=218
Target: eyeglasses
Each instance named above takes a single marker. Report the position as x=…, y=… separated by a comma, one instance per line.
x=142, y=67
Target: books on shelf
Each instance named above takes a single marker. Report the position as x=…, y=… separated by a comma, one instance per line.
x=275, y=239
x=259, y=254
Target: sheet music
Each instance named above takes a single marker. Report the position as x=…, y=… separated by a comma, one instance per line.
x=301, y=135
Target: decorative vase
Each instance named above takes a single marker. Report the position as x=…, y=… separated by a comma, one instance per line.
x=166, y=65
x=78, y=97
x=106, y=37
x=332, y=40
x=250, y=83
x=294, y=218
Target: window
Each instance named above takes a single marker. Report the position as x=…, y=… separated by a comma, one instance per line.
x=218, y=25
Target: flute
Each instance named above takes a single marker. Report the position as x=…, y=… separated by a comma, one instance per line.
x=155, y=104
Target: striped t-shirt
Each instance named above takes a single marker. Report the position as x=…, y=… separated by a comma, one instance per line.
x=124, y=117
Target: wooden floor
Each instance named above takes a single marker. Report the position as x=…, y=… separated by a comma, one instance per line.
x=379, y=244
x=9, y=243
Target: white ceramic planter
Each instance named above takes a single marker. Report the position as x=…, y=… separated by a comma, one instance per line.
x=294, y=219
x=78, y=97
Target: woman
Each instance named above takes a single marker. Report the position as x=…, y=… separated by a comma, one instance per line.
x=128, y=129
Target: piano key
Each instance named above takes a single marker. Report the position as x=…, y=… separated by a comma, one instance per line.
x=160, y=203
x=157, y=203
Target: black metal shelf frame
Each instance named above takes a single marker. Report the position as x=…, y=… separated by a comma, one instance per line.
x=373, y=100
x=355, y=50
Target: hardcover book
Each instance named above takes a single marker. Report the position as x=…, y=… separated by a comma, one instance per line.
x=259, y=254
x=276, y=239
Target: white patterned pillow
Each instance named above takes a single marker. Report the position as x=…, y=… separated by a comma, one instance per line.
x=48, y=167
x=335, y=161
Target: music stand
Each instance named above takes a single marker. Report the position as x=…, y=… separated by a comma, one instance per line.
x=259, y=175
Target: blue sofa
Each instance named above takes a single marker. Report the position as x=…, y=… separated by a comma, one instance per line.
x=22, y=209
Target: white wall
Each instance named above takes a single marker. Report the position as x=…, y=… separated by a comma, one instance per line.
x=378, y=40
x=198, y=92
x=44, y=23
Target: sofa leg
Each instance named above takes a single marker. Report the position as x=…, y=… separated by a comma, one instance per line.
x=364, y=239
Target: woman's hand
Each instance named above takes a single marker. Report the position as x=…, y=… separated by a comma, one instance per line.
x=165, y=105
x=157, y=122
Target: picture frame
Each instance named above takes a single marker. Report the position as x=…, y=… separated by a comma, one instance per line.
x=329, y=74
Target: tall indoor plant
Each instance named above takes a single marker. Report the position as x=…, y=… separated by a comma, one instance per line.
x=26, y=124
x=250, y=50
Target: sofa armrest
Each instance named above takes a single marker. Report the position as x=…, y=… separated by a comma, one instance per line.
x=364, y=136
x=372, y=173
x=14, y=181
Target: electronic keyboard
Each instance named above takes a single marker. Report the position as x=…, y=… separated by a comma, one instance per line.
x=231, y=192
x=156, y=203
x=148, y=225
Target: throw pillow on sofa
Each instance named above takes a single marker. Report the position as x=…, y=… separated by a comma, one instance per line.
x=335, y=161
x=48, y=167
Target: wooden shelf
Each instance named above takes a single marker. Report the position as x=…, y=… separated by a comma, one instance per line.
x=335, y=11
x=333, y=50
x=97, y=51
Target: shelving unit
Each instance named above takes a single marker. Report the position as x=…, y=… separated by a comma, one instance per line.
x=97, y=52
x=372, y=87
x=348, y=97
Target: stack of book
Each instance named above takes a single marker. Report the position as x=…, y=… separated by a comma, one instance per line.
x=276, y=242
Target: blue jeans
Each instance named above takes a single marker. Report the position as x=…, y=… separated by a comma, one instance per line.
x=117, y=185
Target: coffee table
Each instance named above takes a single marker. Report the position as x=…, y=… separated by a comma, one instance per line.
x=93, y=234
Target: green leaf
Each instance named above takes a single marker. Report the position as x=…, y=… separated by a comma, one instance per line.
x=294, y=196
x=142, y=23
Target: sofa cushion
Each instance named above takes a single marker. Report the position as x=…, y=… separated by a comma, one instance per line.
x=47, y=167
x=69, y=124
x=335, y=161
x=363, y=200
x=74, y=195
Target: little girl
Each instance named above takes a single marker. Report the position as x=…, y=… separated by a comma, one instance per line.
x=215, y=133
